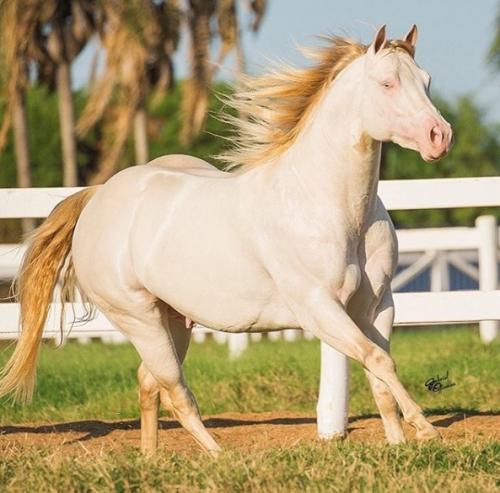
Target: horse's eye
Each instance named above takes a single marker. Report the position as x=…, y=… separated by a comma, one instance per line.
x=387, y=85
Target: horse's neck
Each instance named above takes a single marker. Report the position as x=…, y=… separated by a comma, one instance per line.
x=334, y=161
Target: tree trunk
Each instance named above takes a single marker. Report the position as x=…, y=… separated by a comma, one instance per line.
x=194, y=106
x=141, y=136
x=21, y=146
x=67, y=124
x=240, y=56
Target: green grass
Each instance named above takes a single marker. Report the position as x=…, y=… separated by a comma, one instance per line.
x=98, y=382
x=329, y=467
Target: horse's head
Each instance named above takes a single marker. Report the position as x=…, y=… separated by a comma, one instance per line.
x=396, y=105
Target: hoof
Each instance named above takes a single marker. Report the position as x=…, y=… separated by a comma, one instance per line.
x=428, y=434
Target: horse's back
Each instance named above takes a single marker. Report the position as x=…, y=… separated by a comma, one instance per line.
x=186, y=164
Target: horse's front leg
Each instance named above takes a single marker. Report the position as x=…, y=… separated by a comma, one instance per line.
x=377, y=324
x=323, y=315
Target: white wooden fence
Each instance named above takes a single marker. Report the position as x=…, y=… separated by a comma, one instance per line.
x=411, y=308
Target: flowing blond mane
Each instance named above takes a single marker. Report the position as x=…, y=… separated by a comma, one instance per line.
x=273, y=108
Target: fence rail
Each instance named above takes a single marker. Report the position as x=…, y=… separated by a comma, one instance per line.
x=396, y=195
x=411, y=309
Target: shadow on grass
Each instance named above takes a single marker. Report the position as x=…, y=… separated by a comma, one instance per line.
x=96, y=428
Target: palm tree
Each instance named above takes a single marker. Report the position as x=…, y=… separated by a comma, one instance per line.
x=258, y=7
x=161, y=39
x=18, y=34
x=66, y=27
x=229, y=32
x=47, y=36
x=196, y=89
x=139, y=37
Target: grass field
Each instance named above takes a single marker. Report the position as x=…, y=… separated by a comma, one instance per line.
x=98, y=382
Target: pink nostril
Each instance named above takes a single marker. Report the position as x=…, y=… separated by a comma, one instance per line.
x=436, y=136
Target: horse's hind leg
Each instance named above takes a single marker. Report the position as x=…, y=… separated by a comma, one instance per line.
x=155, y=345
x=150, y=392
x=149, y=397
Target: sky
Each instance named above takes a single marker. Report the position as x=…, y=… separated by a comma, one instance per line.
x=454, y=37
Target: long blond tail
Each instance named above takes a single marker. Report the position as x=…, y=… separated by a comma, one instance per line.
x=49, y=247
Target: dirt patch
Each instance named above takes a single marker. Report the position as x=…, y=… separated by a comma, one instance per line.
x=251, y=431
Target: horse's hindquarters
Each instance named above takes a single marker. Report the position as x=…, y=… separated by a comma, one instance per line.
x=101, y=247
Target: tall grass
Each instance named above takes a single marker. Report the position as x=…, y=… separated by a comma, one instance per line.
x=329, y=467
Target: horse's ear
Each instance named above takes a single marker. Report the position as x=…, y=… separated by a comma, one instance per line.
x=378, y=41
x=412, y=35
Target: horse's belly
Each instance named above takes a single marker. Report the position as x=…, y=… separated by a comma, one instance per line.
x=215, y=281
x=232, y=298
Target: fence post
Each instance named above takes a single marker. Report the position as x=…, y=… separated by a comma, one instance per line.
x=440, y=277
x=84, y=340
x=219, y=337
x=274, y=336
x=237, y=343
x=488, y=269
x=256, y=336
x=198, y=335
x=333, y=402
x=291, y=335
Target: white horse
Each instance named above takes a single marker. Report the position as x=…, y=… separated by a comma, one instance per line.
x=296, y=238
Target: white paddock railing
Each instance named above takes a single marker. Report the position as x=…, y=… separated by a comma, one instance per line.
x=422, y=249
x=411, y=308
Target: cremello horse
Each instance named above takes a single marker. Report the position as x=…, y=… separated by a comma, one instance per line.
x=297, y=237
